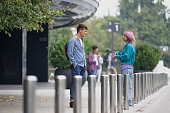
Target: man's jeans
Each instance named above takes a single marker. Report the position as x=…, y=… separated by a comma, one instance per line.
x=130, y=72
x=77, y=71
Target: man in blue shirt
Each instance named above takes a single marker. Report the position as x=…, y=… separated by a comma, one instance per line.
x=77, y=57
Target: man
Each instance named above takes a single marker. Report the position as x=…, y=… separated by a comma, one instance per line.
x=77, y=57
x=110, y=62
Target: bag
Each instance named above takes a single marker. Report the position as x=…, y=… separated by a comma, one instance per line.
x=66, y=48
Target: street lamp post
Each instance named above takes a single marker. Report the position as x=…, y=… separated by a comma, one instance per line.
x=113, y=26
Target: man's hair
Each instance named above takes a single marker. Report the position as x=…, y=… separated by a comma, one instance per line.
x=94, y=47
x=81, y=27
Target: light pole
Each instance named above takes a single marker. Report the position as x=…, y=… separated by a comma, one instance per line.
x=113, y=26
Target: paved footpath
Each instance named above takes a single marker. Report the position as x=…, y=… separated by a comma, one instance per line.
x=159, y=102
x=11, y=100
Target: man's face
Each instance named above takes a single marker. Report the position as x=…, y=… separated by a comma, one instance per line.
x=83, y=32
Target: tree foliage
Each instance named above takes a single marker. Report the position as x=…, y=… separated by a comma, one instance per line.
x=166, y=58
x=151, y=22
x=57, y=56
x=99, y=35
x=27, y=14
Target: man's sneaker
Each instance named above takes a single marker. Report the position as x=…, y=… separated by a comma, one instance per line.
x=71, y=103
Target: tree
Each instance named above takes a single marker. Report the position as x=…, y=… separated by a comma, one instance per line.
x=166, y=58
x=27, y=14
x=57, y=56
x=151, y=28
x=59, y=33
x=127, y=8
x=151, y=22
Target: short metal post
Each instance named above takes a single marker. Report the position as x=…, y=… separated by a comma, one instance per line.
x=113, y=93
x=152, y=86
x=29, y=94
x=149, y=83
x=133, y=90
x=60, y=86
x=143, y=85
x=77, y=83
x=126, y=92
x=119, y=94
x=139, y=86
x=91, y=94
x=146, y=85
x=104, y=94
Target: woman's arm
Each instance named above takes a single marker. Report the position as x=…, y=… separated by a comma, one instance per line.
x=129, y=51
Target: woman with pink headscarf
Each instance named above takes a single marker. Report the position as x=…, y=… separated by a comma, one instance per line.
x=127, y=58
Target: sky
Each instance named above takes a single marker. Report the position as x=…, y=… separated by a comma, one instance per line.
x=111, y=7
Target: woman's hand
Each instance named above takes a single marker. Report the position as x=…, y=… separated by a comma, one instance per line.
x=114, y=56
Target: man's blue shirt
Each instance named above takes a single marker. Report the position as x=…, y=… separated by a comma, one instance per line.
x=76, y=53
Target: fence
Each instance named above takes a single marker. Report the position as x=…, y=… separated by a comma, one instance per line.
x=143, y=85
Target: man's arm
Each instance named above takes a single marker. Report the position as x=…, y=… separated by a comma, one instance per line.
x=70, y=52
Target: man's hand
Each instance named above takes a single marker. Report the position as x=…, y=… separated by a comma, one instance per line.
x=98, y=55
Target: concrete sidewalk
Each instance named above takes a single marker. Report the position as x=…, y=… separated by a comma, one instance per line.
x=158, y=102
x=11, y=100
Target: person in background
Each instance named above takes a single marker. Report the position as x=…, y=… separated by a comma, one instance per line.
x=110, y=62
x=100, y=70
x=93, y=61
x=77, y=57
x=127, y=58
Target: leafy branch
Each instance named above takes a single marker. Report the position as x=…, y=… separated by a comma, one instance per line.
x=27, y=14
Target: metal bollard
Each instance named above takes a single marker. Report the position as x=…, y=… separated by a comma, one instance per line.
x=133, y=90
x=91, y=94
x=29, y=94
x=139, y=86
x=104, y=94
x=113, y=93
x=60, y=86
x=143, y=85
x=126, y=92
x=119, y=94
x=138, y=94
x=147, y=85
x=77, y=83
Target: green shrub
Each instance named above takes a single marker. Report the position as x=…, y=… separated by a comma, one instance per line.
x=166, y=58
x=57, y=56
x=147, y=56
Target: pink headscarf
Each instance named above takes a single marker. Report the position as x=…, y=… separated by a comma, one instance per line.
x=130, y=36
